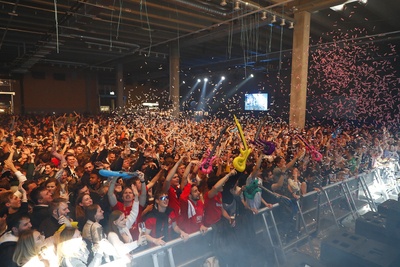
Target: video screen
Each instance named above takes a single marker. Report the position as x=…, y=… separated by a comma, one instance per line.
x=256, y=102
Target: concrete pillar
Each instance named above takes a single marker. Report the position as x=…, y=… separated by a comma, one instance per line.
x=298, y=89
x=120, y=87
x=174, y=77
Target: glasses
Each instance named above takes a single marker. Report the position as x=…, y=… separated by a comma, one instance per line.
x=163, y=198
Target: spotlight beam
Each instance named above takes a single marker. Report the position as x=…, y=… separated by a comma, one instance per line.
x=202, y=103
x=186, y=97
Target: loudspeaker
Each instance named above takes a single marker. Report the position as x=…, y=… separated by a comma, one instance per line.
x=390, y=208
x=346, y=249
x=393, y=229
x=372, y=225
x=337, y=248
x=377, y=254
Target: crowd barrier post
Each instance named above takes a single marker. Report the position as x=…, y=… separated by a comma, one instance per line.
x=349, y=197
x=330, y=207
x=367, y=192
x=277, y=248
x=380, y=183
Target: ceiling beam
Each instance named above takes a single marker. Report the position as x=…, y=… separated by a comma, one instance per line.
x=312, y=5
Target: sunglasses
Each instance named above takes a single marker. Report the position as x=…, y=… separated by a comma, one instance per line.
x=163, y=198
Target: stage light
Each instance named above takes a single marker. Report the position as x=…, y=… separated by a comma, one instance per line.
x=198, y=80
x=273, y=19
x=205, y=79
x=237, y=6
x=251, y=75
x=223, y=78
x=264, y=15
x=283, y=22
x=223, y=3
x=291, y=25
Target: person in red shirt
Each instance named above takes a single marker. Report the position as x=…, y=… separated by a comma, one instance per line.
x=213, y=209
x=161, y=221
x=192, y=210
x=171, y=187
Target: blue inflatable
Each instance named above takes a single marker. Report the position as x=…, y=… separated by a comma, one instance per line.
x=123, y=175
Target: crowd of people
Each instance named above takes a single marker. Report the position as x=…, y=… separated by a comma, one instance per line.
x=86, y=190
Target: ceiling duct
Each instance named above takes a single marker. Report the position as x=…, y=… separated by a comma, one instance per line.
x=201, y=7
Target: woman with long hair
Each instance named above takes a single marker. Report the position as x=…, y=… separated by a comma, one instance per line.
x=119, y=226
x=92, y=230
x=31, y=250
x=72, y=251
x=82, y=202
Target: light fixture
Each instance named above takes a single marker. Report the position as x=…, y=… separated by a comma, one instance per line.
x=223, y=78
x=283, y=23
x=237, y=5
x=291, y=25
x=251, y=75
x=341, y=6
x=223, y=3
x=264, y=15
x=273, y=19
x=198, y=80
x=205, y=80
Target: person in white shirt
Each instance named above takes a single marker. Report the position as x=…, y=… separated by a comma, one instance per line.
x=119, y=225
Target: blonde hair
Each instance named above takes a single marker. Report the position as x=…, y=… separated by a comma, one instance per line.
x=26, y=248
x=67, y=249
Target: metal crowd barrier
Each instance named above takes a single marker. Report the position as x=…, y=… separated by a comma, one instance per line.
x=330, y=206
x=177, y=252
x=312, y=213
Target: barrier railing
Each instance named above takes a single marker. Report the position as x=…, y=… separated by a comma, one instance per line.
x=284, y=228
x=190, y=253
x=331, y=205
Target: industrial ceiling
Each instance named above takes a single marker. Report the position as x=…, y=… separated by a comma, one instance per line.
x=100, y=34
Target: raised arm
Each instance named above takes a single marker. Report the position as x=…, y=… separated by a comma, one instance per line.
x=253, y=174
x=218, y=186
x=111, y=196
x=130, y=220
x=155, y=178
x=299, y=155
x=171, y=174
x=143, y=195
x=186, y=175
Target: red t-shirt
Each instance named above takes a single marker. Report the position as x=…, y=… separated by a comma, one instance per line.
x=212, y=209
x=192, y=224
x=174, y=200
x=151, y=223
